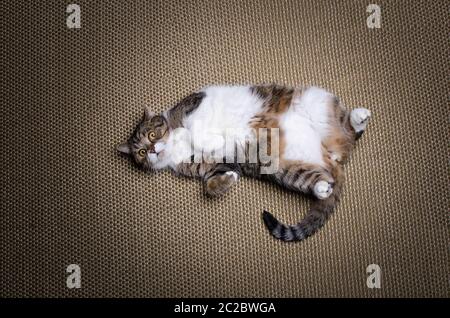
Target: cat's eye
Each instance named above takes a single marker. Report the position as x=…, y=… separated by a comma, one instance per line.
x=151, y=135
x=142, y=152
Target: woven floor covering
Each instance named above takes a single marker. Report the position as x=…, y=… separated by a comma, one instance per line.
x=69, y=96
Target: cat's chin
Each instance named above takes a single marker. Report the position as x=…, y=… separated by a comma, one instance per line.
x=162, y=161
x=160, y=155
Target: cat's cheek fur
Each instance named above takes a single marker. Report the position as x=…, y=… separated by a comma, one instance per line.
x=159, y=146
x=153, y=158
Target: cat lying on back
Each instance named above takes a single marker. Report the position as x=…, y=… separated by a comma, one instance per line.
x=314, y=136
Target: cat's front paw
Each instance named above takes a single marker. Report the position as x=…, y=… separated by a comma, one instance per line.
x=335, y=157
x=323, y=189
x=220, y=183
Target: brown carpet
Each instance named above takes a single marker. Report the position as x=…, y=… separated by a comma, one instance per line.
x=69, y=96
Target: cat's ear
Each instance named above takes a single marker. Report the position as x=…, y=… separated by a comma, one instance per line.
x=148, y=114
x=124, y=148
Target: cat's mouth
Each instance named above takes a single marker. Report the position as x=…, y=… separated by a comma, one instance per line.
x=155, y=152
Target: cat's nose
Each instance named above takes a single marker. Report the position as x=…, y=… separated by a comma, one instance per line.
x=151, y=149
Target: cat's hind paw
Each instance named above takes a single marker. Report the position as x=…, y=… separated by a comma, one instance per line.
x=322, y=189
x=359, y=118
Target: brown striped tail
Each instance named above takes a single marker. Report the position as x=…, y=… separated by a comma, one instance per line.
x=315, y=218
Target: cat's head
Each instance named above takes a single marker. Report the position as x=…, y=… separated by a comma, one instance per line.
x=147, y=143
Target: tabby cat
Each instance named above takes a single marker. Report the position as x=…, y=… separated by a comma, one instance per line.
x=308, y=137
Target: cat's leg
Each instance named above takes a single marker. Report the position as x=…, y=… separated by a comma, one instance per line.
x=345, y=128
x=218, y=177
x=306, y=178
x=354, y=121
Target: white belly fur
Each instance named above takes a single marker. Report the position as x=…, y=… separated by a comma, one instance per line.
x=223, y=108
x=231, y=108
x=305, y=125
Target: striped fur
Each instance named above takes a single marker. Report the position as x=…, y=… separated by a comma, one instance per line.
x=316, y=136
x=218, y=178
x=318, y=214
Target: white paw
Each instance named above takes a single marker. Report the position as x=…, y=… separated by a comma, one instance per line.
x=322, y=190
x=233, y=174
x=359, y=118
x=335, y=157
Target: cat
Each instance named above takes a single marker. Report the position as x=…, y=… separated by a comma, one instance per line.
x=314, y=132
